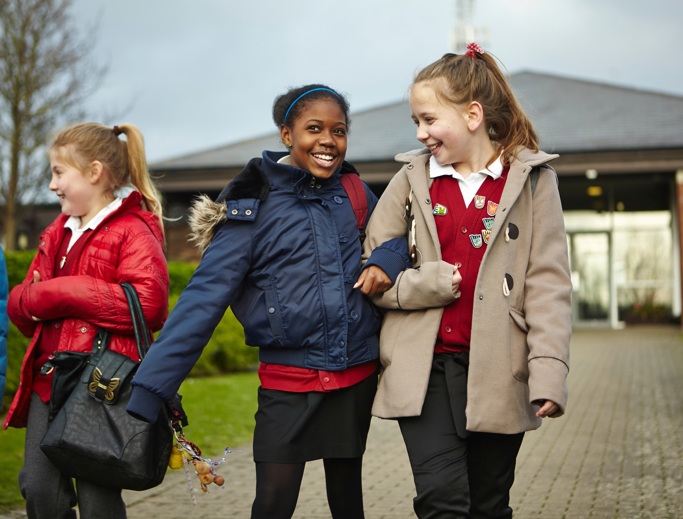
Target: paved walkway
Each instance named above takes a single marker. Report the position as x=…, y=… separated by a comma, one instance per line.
x=617, y=453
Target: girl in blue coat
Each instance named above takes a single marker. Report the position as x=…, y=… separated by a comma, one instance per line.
x=281, y=247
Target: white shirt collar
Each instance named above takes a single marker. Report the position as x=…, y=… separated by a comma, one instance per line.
x=495, y=170
x=74, y=222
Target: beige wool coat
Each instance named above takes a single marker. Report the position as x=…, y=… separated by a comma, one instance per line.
x=521, y=327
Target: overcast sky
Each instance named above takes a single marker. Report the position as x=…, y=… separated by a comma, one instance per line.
x=197, y=74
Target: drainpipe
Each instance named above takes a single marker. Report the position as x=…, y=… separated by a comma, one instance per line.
x=678, y=251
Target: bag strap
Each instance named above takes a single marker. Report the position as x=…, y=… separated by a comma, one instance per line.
x=143, y=337
x=533, y=178
x=355, y=189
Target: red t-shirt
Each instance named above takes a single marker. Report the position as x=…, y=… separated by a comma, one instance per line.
x=304, y=380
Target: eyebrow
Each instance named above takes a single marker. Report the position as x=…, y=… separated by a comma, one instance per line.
x=320, y=121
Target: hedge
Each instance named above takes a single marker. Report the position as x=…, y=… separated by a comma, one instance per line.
x=224, y=353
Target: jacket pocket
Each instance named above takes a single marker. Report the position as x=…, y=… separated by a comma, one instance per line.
x=519, y=349
x=274, y=315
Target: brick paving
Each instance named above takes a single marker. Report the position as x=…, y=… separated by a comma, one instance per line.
x=617, y=453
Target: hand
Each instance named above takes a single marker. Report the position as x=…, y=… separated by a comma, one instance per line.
x=548, y=408
x=36, y=279
x=373, y=280
x=457, y=278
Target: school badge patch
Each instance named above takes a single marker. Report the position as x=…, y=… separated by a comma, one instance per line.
x=488, y=222
x=476, y=240
x=479, y=201
x=486, y=235
x=439, y=210
x=491, y=208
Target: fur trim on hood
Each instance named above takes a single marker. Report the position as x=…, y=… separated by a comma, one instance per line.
x=206, y=216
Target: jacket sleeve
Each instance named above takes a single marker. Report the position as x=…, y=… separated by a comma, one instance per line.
x=16, y=310
x=4, y=323
x=428, y=286
x=103, y=302
x=198, y=311
x=392, y=257
x=547, y=300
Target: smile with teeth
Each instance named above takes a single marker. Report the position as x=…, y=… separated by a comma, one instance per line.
x=324, y=157
x=432, y=147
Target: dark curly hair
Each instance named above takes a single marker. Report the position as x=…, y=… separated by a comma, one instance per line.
x=288, y=106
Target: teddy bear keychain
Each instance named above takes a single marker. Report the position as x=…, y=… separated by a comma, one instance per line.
x=185, y=452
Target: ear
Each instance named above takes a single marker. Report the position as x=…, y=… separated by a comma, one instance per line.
x=95, y=172
x=286, y=135
x=474, y=115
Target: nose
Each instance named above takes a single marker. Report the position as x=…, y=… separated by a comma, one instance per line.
x=53, y=184
x=421, y=134
x=327, y=139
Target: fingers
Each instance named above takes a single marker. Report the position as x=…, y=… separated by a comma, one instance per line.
x=457, y=278
x=361, y=279
x=373, y=280
x=548, y=408
x=36, y=276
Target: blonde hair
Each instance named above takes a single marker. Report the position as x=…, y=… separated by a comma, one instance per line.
x=464, y=78
x=124, y=161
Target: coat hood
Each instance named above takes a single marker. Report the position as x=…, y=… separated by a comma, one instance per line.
x=252, y=183
x=206, y=215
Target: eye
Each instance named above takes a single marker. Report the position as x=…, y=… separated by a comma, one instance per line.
x=340, y=131
x=313, y=128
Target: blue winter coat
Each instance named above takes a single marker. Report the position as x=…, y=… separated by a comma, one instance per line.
x=284, y=252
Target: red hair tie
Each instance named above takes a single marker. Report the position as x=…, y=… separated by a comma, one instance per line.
x=473, y=49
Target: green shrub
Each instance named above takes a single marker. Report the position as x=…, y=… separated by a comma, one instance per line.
x=224, y=353
x=17, y=267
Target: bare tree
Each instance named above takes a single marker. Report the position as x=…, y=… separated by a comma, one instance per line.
x=44, y=77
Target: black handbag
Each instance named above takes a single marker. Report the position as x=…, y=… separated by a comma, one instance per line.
x=91, y=436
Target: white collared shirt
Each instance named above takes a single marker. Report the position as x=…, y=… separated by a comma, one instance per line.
x=74, y=222
x=470, y=185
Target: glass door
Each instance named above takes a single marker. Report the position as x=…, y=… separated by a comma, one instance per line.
x=590, y=260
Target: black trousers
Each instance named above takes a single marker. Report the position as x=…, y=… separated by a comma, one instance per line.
x=458, y=474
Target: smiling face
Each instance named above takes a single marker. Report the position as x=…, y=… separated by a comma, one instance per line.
x=317, y=138
x=445, y=130
x=79, y=191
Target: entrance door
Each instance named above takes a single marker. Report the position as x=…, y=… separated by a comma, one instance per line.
x=589, y=261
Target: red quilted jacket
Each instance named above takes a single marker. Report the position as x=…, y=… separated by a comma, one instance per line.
x=126, y=246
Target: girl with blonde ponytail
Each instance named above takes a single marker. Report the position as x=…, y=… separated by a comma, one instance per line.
x=109, y=231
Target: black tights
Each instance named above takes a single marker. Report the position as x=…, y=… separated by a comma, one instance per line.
x=278, y=484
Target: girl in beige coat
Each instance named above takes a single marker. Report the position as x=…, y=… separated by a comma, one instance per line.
x=475, y=340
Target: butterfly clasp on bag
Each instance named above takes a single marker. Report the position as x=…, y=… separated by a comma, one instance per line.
x=97, y=387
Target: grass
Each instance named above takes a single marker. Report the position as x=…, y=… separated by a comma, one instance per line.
x=221, y=414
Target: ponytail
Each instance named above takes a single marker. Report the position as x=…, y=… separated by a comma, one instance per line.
x=137, y=169
x=475, y=76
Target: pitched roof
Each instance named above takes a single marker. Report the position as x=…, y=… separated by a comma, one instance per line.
x=570, y=115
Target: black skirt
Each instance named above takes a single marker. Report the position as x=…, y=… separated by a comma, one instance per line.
x=300, y=427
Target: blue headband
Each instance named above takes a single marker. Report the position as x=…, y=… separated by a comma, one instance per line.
x=305, y=94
